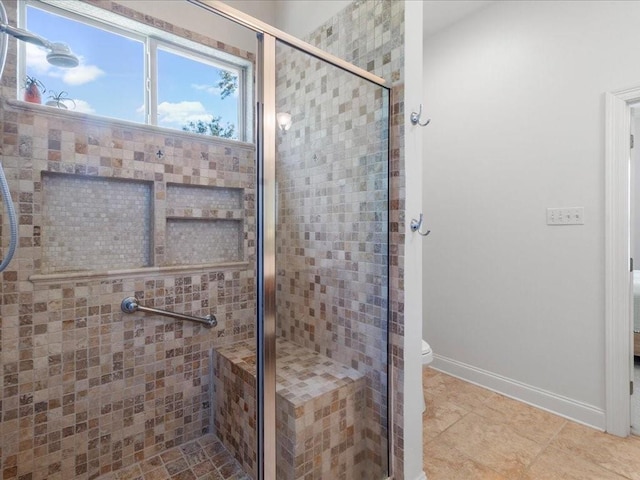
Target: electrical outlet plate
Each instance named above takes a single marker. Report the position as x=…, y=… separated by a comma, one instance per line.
x=565, y=216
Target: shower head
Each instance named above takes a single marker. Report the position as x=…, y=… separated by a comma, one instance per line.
x=59, y=54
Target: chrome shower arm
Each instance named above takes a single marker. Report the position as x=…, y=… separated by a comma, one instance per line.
x=59, y=54
x=25, y=36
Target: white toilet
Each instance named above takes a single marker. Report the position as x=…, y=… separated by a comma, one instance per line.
x=427, y=358
x=427, y=353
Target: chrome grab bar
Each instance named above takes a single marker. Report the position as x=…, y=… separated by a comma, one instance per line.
x=131, y=304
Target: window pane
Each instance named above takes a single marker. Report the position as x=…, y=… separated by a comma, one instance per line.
x=196, y=96
x=110, y=78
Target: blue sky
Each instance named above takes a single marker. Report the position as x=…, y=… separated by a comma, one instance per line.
x=110, y=78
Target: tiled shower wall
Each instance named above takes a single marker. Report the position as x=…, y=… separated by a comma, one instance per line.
x=369, y=34
x=87, y=389
x=332, y=235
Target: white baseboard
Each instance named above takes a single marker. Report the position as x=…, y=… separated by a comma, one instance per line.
x=565, y=407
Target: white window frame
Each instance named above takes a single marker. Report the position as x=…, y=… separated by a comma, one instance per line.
x=156, y=44
x=152, y=39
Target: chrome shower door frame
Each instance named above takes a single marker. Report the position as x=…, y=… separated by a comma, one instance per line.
x=266, y=130
x=266, y=268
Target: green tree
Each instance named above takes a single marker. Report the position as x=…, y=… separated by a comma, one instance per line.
x=228, y=84
x=213, y=127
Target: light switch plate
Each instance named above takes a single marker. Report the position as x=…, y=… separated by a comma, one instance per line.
x=565, y=216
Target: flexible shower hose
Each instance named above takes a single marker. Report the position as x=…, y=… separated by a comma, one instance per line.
x=13, y=222
x=4, y=187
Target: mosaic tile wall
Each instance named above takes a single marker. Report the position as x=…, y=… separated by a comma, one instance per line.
x=86, y=389
x=95, y=223
x=200, y=199
x=320, y=408
x=370, y=34
x=60, y=338
x=234, y=402
x=199, y=241
x=208, y=221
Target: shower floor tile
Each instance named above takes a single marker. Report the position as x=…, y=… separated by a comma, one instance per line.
x=202, y=459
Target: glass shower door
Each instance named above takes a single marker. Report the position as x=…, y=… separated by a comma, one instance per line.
x=332, y=271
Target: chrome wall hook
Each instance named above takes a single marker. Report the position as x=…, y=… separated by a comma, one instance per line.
x=415, y=118
x=416, y=224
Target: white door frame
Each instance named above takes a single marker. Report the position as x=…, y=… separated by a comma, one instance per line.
x=617, y=251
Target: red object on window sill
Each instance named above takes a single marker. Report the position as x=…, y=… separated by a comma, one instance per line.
x=32, y=94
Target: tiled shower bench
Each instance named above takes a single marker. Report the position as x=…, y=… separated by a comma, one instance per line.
x=319, y=411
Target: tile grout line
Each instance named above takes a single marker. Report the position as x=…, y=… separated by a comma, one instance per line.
x=451, y=425
x=467, y=412
x=544, y=448
x=461, y=453
x=552, y=444
x=505, y=424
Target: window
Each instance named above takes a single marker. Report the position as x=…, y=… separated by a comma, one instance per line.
x=134, y=72
x=195, y=94
x=105, y=83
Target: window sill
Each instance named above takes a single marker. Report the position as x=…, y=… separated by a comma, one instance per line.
x=106, y=121
x=56, y=278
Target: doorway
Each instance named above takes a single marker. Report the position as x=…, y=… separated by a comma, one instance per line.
x=619, y=360
x=634, y=230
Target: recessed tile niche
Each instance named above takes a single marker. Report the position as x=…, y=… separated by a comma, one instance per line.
x=192, y=242
x=100, y=224
x=204, y=225
x=95, y=223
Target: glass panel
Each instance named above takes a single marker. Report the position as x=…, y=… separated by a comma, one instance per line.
x=332, y=271
x=198, y=88
x=197, y=96
x=105, y=83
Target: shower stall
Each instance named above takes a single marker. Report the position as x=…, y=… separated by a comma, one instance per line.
x=185, y=305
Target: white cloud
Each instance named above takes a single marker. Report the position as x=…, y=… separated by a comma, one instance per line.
x=182, y=113
x=83, y=73
x=212, y=89
x=140, y=113
x=81, y=106
x=80, y=75
x=37, y=60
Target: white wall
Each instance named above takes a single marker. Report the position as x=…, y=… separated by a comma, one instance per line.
x=197, y=19
x=300, y=17
x=296, y=17
x=440, y=14
x=515, y=93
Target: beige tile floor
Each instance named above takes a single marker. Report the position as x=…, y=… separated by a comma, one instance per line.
x=471, y=433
